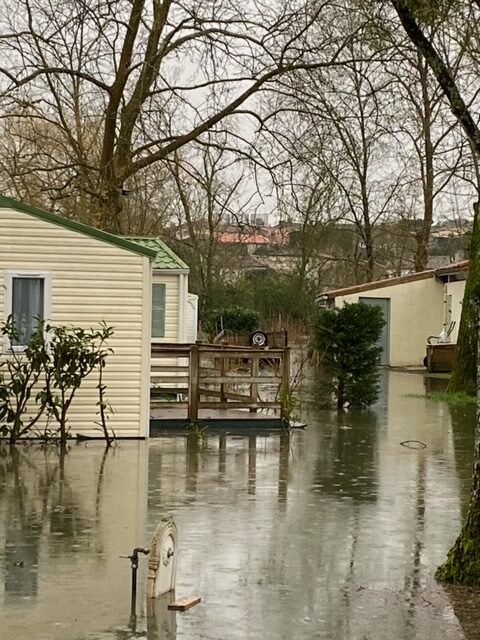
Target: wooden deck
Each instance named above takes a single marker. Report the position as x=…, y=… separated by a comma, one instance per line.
x=218, y=386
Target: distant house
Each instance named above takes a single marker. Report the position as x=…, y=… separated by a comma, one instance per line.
x=70, y=273
x=174, y=309
x=251, y=241
x=415, y=307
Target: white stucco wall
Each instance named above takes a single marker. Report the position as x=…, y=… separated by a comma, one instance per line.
x=91, y=281
x=416, y=312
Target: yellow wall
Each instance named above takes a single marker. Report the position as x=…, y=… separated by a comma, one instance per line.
x=416, y=312
x=92, y=281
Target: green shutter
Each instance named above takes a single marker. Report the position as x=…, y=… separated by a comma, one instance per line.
x=158, y=311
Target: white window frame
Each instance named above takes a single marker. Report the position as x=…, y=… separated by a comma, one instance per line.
x=47, y=297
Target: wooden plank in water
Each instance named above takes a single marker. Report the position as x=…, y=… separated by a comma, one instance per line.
x=184, y=603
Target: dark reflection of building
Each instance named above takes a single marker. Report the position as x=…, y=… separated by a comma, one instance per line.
x=346, y=461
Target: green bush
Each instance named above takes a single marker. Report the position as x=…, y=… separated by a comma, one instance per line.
x=346, y=338
x=43, y=378
x=231, y=319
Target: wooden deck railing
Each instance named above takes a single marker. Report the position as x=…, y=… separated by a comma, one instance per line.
x=205, y=376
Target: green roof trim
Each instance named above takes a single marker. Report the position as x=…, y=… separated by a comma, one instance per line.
x=79, y=227
x=165, y=259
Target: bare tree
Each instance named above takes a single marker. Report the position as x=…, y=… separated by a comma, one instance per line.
x=429, y=145
x=141, y=71
x=430, y=153
x=353, y=105
x=463, y=561
x=38, y=166
x=209, y=183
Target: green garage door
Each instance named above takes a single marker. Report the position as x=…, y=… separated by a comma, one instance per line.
x=384, y=340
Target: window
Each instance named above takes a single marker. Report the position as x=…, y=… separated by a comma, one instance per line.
x=158, y=311
x=27, y=295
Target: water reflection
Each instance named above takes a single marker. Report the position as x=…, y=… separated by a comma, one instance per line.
x=333, y=533
x=347, y=449
x=64, y=520
x=463, y=441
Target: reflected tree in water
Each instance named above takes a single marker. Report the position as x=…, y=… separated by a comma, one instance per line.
x=463, y=421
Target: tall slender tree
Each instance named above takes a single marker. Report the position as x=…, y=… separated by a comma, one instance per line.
x=463, y=561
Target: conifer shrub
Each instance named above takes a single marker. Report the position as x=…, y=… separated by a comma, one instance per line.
x=347, y=339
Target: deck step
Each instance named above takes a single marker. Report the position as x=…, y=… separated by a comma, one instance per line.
x=184, y=603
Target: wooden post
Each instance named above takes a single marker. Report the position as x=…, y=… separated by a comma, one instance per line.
x=193, y=383
x=285, y=378
x=223, y=397
x=254, y=385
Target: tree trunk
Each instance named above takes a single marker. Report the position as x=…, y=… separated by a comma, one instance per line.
x=464, y=376
x=463, y=561
x=109, y=205
x=340, y=394
x=423, y=236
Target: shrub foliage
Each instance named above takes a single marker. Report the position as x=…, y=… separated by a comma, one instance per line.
x=347, y=339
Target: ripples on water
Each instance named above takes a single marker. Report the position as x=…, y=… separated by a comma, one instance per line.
x=333, y=534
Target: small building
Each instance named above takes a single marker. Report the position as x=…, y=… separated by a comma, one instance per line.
x=70, y=273
x=415, y=307
x=174, y=309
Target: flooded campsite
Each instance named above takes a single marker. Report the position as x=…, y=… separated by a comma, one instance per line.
x=332, y=532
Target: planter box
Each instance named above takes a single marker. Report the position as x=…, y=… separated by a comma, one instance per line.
x=441, y=358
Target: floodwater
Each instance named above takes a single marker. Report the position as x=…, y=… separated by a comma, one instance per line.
x=334, y=534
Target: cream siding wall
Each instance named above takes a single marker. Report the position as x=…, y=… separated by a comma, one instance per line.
x=91, y=281
x=171, y=305
x=416, y=312
x=175, y=328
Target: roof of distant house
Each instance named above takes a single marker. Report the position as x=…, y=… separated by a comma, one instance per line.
x=243, y=238
x=391, y=282
x=165, y=259
x=449, y=269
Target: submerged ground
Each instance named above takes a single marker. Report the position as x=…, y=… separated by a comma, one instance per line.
x=333, y=534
